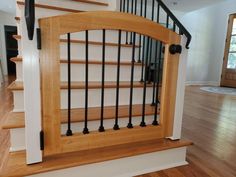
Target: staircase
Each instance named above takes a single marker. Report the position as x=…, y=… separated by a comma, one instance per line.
x=116, y=98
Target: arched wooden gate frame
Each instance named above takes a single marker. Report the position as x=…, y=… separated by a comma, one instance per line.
x=51, y=29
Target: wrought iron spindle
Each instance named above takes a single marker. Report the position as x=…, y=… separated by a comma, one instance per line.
x=155, y=74
x=121, y=5
x=135, y=9
x=158, y=13
x=140, y=36
x=86, y=131
x=101, y=128
x=116, y=126
x=144, y=41
x=132, y=12
x=174, y=26
x=143, y=124
x=124, y=2
x=157, y=102
x=69, y=131
x=127, y=33
x=132, y=84
x=167, y=21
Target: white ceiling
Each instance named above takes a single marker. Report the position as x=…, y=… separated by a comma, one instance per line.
x=8, y=6
x=182, y=5
x=189, y=5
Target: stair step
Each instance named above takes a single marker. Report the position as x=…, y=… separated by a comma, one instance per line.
x=51, y=7
x=17, y=85
x=92, y=2
x=17, y=18
x=97, y=43
x=16, y=119
x=94, y=62
x=18, y=37
x=16, y=164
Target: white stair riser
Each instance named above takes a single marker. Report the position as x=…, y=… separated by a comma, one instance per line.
x=95, y=52
x=94, y=98
x=126, y=167
x=18, y=134
x=97, y=35
x=19, y=71
x=95, y=72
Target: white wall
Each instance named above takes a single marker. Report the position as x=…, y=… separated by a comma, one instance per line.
x=208, y=27
x=5, y=19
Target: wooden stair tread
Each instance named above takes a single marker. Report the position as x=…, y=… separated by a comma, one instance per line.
x=97, y=43
x=94, y=62
x=44, y=6
x=17, y=18
x=18, y=85
x=16, y=163
x=16, y=120
x=92, y=2
x=18, y=37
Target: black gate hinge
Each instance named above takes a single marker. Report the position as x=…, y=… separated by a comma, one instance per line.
x=41, y=140
x=39, y=44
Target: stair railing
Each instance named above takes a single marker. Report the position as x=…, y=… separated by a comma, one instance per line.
x=139, y=7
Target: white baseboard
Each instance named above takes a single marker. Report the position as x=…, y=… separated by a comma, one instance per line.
x=126, y=167
x=210, y=83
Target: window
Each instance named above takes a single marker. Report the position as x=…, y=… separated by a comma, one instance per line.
x=232, y=45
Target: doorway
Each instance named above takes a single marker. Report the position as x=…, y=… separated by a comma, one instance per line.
x=228, y=77
x=11, y=48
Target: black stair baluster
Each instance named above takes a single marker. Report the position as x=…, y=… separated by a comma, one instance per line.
x=130, y=125
x=127, y=33
x=69, y=131
x=158, y=13
x=140, y=36
x=135, y=9
x=124, y=2
x=86, y=131
x=143, y=124
x=155, y=74
x=132, y=12
x=116, y=126
x=143, y=48
x=121, y=5
x=174, y=26
x=167, y=21
x=155, y=122
x=101, y=128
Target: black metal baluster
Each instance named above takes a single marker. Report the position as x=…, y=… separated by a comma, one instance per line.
x=174, y=26
x=86, y=131
x=132, y=11
x=69, y=131
x=140, y=36
x=124, y=5
x=121, y=5
x=158, y=13
x=135, y=9
x=167, y=21
x=155, y=73
x=127, y=33
x=155, y=122
x=143, y=124
x=132, y=84
x=144, y=41
x=101, y=128
x=116, y=126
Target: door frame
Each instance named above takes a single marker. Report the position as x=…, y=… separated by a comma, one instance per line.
x=223, y=81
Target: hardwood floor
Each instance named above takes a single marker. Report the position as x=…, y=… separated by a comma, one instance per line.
x=209, y=121
x=5, y=107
